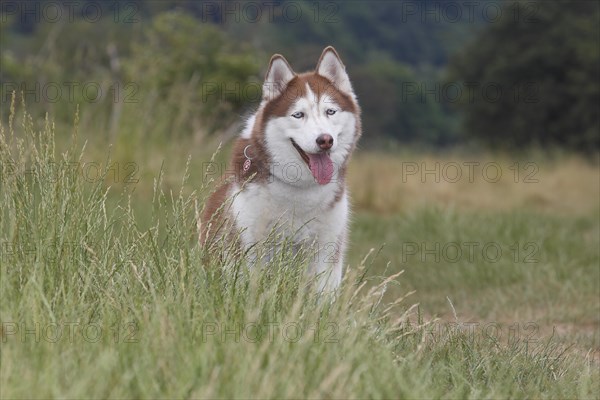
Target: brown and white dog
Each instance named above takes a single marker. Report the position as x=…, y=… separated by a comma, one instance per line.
x=290, y=164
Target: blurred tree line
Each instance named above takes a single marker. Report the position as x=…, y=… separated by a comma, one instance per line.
x=506, y=74
x=544, y=64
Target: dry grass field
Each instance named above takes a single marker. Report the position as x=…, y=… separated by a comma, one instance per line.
x=391, y=183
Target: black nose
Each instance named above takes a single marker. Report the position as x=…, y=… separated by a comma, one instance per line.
x=325, y=141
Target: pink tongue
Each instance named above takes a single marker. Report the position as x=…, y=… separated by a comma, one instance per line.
x=321, y=167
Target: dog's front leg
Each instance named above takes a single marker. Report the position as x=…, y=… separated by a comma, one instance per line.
x=328, y=265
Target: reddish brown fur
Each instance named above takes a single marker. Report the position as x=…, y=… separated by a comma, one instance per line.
x=296, y=88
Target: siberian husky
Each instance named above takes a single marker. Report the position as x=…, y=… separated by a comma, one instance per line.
x=290, y=167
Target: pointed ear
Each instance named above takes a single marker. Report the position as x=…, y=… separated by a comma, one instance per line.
x=278, y=76
x=331, y=67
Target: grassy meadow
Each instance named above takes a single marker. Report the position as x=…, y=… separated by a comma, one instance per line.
x=478, y=284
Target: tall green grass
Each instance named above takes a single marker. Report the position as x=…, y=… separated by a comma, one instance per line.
x=98, y=303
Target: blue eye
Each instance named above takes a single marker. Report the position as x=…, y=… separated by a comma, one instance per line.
x=330, y=111
x=298, y=114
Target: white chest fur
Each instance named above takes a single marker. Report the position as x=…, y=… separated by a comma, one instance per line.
x=304, y=215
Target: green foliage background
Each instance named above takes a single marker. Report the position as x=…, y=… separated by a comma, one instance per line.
x=547, y=66
x=199, y=66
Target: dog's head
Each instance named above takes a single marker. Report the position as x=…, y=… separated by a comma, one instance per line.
x=310, y=122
